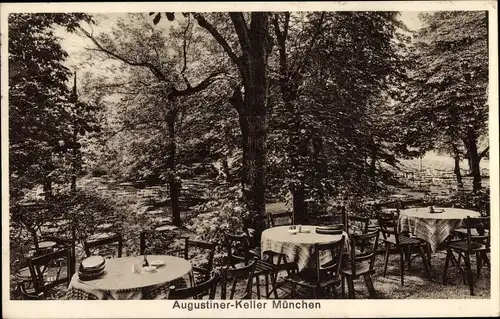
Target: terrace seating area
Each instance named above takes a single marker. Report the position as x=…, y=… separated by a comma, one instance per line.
x=401, y=246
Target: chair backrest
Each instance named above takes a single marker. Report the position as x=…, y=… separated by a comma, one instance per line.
x=357, y=224
x=369, y=242
x=339, y=216
x=387, y=225
x=47, y=270
x=90, y=246
x=273, y=218
x=237, y=248
x=482, y=227
x=333, y=266
x=210, y=247
x=206, y=288
x=245, y=273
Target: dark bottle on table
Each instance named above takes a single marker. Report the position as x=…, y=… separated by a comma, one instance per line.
x=145, y=261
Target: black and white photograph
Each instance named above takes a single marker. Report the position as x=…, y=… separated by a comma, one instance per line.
x=269, y=159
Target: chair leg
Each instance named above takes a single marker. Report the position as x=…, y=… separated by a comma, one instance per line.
x=342, y=285
x=470, y=278
x=334, y=291
x=315, y=293
x=408, y=257
x=479, y=262
x=446, y=263
x=257, y=279
x=424, y=260
x=402, y=266
x=274, y=285
x=350, y=286
x=369, y=285
x=266, y=278
x=233, y=289
x=428, y=250
x=386, y=259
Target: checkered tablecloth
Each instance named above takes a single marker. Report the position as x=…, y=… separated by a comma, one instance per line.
x=434, y=228
x=299, y=247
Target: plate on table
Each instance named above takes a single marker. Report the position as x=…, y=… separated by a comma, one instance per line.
x=305, y=230
x=93, y=263
x=331, y=227
x=92, y=276
x=329, y=231
x=149, y=269
x=157, y=263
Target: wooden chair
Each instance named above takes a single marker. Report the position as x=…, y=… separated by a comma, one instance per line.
x=202, y=272
x=206, y=288
x=357, y=224
x=404, y=245
x=361, y=263
x=386, y=221
x=158, y=243
x=239, y=253
x=90, y=246
x=339, y=216
x=273, y=218
x=232, y=276
x=254, y=243
x=325, y=275
x=476, y=242
x=47, y=272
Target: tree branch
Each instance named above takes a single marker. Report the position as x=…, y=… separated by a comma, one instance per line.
x=217, y=36
x=194, y=89
x=184, y=52
x=484, y=152
x=241, y=29
x=157, y=72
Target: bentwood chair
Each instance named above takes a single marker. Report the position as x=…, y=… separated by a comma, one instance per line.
x=325, y=276
x=206, y=288
x=48, y=272
x=476, y=242
x=361, y=263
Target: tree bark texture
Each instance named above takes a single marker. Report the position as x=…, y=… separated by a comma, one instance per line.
x=173, y=182
x=474, y=160
x=251, y=106
x=456, y=169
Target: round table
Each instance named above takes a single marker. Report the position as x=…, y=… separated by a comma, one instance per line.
x=297, y=247
x=434, y=228
x=119, y=282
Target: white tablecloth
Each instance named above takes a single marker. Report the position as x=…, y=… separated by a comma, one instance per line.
x=434, y=228
x=299, y=247
x=120, y=283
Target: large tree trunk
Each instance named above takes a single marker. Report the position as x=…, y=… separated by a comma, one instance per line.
x=299, y=206
x=173, y=182
x=474, y=160
x=373, y=166
x=456, y=169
